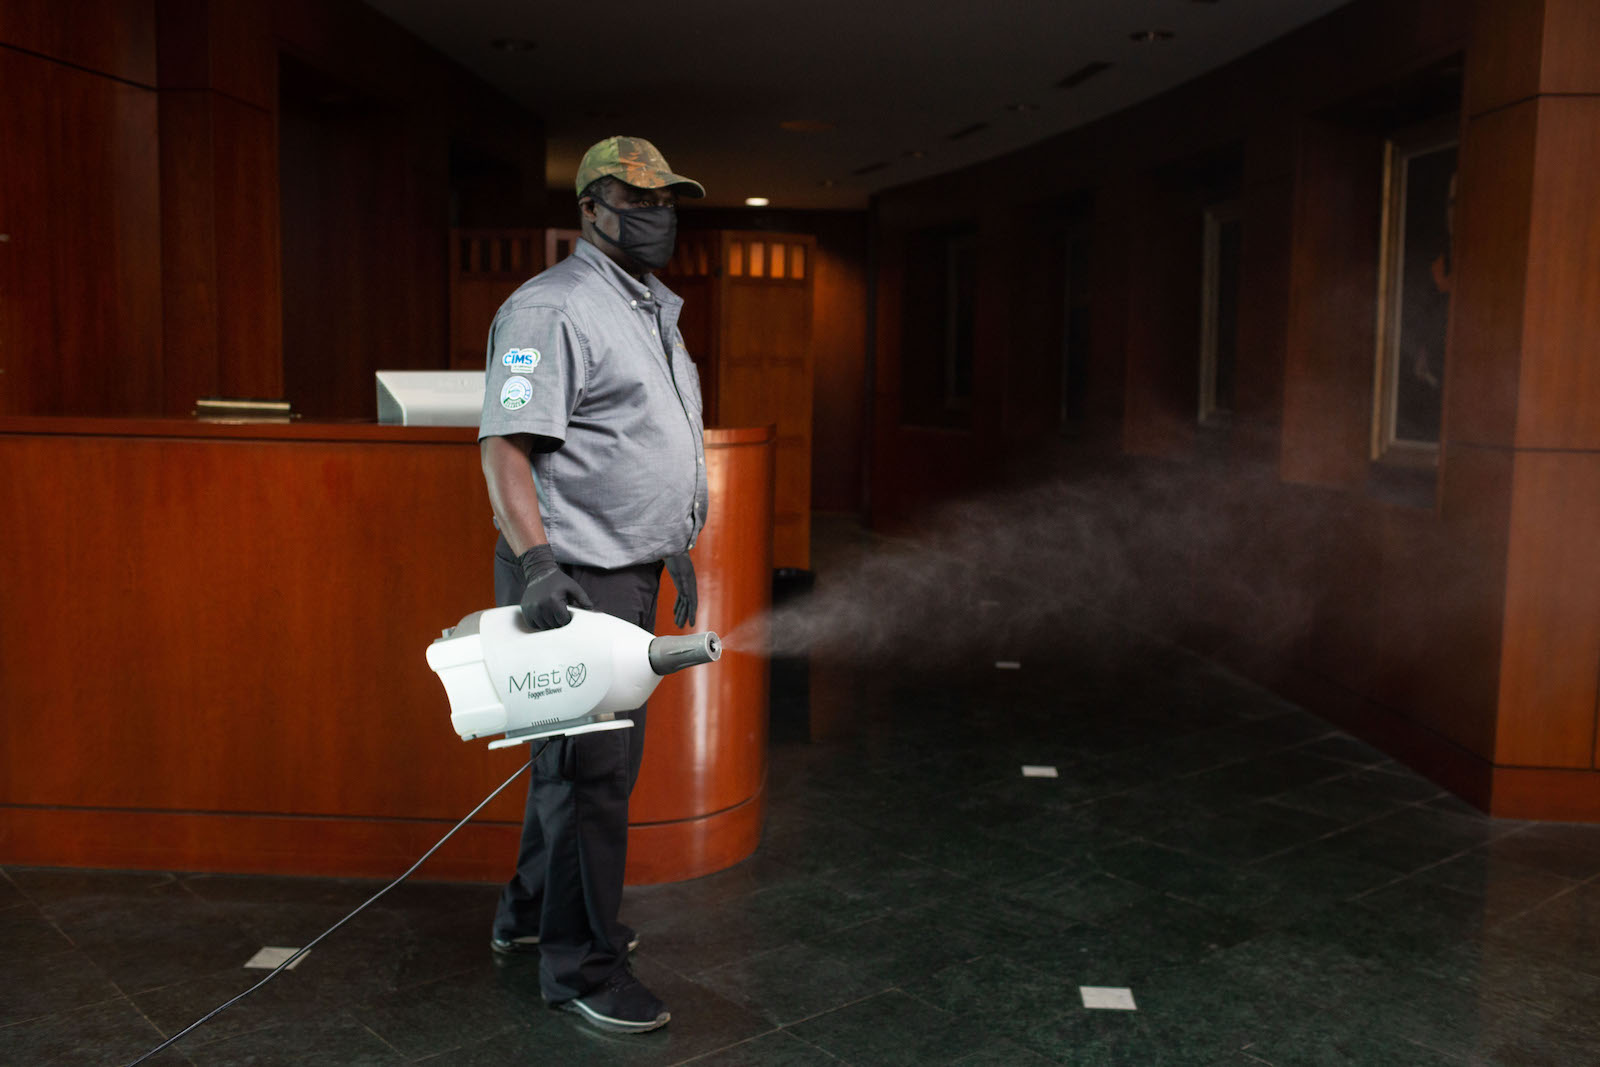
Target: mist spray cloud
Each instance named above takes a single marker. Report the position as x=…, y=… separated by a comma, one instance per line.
x=1162, y=549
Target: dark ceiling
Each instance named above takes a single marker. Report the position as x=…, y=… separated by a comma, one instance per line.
x=883, y=91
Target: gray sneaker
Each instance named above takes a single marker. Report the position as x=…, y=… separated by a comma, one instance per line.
x=622, y=1005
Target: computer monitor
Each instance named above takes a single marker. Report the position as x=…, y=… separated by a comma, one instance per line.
x=430, y=397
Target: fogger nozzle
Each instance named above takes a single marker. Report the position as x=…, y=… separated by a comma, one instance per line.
x=669, y=654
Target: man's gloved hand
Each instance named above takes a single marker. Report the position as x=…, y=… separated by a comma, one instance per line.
x=682, y=572
x=549, y=591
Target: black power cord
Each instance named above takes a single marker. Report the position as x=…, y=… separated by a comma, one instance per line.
x=307, y=948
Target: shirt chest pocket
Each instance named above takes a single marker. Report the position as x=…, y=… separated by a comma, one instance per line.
x=688, y=377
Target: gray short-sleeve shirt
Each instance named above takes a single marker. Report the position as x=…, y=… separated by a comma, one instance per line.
x=590, y=357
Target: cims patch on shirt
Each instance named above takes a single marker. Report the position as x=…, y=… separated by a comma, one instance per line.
x=516, y=393
x=520, y=358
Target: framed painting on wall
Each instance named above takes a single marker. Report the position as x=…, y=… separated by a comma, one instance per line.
x=1414, y=284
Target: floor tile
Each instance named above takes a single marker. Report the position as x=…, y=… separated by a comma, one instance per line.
x=1506, y=889
x=1564, y=928
x=10, y=895
x=893, y=1028
x=1273, y=891
x=1344, y=798
x=26, y=932
x=702, y=1022
x=1344, y=748
x=1078, y=896
x=336, y=1039
x=41, y=985
x=150, y=937
x=792, y=983
x=111, y=1031
x=1557, y=850
x=777, y=1049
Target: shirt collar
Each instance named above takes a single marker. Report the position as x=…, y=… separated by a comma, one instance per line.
x=626, y=284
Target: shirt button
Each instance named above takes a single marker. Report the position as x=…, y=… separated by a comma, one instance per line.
x=633, y=303
x=654, y=334
x=701, y=461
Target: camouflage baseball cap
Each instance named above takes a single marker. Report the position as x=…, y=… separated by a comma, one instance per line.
x=635, y=161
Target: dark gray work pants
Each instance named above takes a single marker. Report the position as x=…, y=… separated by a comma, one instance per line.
x=568, y=885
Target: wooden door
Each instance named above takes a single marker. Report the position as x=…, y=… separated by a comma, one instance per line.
x=764, y=367
x=486, y=266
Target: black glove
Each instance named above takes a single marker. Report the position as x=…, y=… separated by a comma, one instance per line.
x=549, y=590
x=682, y=572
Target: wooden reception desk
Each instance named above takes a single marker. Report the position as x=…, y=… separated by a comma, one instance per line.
x=211, y=654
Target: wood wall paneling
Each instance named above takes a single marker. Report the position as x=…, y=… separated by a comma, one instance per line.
x=839, y=357
x=1267, y=221
x=364, y=273
x=1542, y=793
x=1571, y=47
x=1440, y=596
x=1112, y=238
x=1551, y=659
x=221, y=277
x=249, y=275
x=112, y=37
x=192, y=359
x=1493, y=205
x=1344, y=630
x=1504, y=53
x=1333, y=285
x=29, y=381
x=1034, y=303
x=1559, y=392
x=79, y=181
x=1163, y=334
x=223, y=45
x=107, y=257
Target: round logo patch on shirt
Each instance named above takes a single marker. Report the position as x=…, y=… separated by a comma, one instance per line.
x=516, y=392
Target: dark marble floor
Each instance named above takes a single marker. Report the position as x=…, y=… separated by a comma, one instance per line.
x=1270, y=890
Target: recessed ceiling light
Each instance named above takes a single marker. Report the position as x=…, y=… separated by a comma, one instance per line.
x=1022, y=107
x=915, y=153
x=827, y=183
x=756, y=201
x=807, y=126
x=1151, y=36
x=512, y=44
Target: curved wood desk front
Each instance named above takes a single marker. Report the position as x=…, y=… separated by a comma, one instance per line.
x=211, y=654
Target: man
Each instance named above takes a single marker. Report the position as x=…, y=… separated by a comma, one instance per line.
x=593, y=451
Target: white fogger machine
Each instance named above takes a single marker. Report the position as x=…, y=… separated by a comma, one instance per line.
x=504, y=678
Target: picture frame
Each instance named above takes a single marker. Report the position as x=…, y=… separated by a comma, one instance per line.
x=1416, y=266
x=1222, y=242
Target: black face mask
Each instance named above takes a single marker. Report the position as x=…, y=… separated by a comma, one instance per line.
x=648, y=234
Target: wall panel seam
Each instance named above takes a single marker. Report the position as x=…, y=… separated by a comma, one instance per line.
x=218, y=92
x=1531, y=97
x=76, y=66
